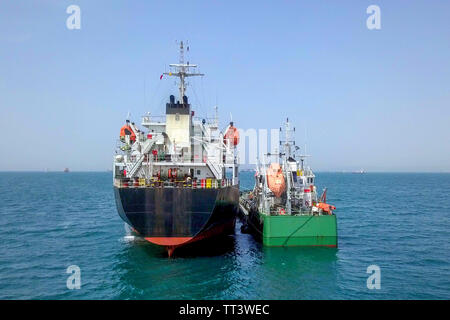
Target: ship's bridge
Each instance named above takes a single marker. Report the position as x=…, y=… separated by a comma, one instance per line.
x=178, y=123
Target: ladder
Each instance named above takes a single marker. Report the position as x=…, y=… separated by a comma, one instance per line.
x=137, y=165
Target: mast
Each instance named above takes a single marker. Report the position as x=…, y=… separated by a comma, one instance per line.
x=289, y=142
x=182, y=72
x=287, y=155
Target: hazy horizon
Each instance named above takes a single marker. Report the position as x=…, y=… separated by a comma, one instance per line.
x=240, y=169
x=372, y=99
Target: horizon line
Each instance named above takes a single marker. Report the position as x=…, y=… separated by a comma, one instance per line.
x=317, y=171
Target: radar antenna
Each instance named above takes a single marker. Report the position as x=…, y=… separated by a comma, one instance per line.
x=182, y=71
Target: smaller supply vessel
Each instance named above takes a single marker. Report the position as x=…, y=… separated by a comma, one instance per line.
x=284, y=209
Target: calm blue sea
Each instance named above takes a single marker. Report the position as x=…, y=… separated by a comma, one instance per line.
x=399, y=222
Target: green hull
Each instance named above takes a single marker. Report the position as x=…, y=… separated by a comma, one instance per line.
x=299, y=230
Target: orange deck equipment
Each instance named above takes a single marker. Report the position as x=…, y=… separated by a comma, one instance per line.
x=231, y=135
x=127, y=131
x=275, y=179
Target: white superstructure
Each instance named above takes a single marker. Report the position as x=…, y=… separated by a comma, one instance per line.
x=284, y=184
x=177, y=148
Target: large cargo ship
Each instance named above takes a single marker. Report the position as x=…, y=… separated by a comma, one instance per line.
x=176, y=181
x=284, y=209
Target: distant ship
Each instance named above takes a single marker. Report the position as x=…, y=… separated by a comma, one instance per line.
x=361, y=171
x=176, y=181
x=284, y=208
x=66, y=169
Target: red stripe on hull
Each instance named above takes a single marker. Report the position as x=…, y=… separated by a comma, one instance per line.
x=171, y=243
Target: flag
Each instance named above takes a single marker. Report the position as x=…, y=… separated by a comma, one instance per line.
x=161, y=77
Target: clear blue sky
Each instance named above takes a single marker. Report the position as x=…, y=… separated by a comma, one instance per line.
x=378, y=100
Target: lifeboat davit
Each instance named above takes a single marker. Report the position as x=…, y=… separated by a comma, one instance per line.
x=275, y=179
x=232, y=135
x=127, y=131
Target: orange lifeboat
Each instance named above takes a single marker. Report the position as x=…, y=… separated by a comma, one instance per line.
x=231, y=135
x=127, y=131
x=275, y=179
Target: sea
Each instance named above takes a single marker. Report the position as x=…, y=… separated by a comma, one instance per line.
x=393, y=243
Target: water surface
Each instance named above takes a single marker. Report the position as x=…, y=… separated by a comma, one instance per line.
x=399, y=222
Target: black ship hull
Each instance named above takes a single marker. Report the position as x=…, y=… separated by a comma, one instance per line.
x=173, y=217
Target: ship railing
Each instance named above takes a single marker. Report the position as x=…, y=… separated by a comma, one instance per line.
x=148, y=120
x=294, y=212
x=208, y=121
x=190, y=184
x=165, y=157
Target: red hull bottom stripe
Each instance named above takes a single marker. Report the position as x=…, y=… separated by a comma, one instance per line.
x=169, y=241
x=178, y=241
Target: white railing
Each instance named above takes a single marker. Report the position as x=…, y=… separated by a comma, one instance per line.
x=153, y=183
